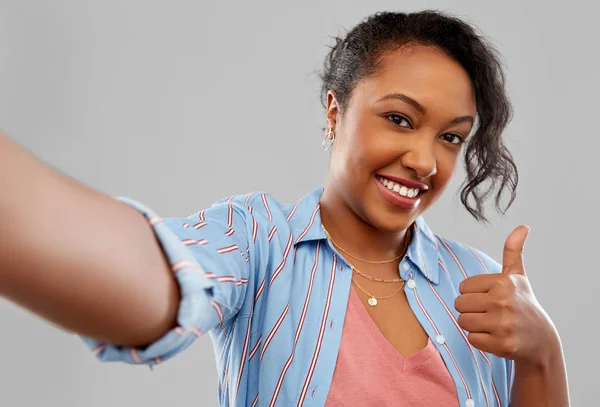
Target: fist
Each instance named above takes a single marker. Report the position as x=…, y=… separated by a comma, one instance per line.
x=500, y=311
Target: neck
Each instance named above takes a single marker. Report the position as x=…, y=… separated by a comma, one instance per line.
x=354, y=234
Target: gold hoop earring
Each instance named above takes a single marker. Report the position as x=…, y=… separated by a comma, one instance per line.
x=329, y=139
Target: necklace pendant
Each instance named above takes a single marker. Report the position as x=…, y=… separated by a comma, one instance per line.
x=372, y=301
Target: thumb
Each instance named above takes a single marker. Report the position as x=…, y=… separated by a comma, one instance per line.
x=512, y=262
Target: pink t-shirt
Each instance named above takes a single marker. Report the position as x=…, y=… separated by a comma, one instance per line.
x=371, y=372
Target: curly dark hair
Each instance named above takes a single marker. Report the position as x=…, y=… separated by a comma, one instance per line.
x=488, y=163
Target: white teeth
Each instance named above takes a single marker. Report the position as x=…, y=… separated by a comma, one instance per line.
x=400, y=189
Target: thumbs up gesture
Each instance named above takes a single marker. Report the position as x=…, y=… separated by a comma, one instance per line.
x=500, y=311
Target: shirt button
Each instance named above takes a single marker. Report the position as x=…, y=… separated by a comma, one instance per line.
x=469, y=403
x=411, y=284
x=405, y=266
x=440, y=339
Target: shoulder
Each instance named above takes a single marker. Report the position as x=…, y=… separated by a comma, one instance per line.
x=258, y=203
x=262, y=212
x=466, y=259
x=266, y=205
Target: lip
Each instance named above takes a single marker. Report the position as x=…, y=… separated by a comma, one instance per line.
x=407, y=182
x=400, y=201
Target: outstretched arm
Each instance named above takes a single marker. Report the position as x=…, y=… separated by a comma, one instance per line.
x=78, y=258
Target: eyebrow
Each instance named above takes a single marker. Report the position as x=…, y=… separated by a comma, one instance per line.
x=421, y=109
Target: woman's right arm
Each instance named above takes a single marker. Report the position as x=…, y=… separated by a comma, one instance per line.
x=79, y=258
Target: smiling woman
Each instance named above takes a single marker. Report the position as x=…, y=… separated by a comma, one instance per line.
x=408, y=124
x=344, y=298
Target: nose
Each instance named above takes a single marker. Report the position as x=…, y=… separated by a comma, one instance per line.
x=420, y=157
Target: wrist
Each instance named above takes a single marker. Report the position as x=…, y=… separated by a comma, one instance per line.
x=546, y=358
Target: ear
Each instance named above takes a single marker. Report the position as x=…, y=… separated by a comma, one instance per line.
x=332, y=109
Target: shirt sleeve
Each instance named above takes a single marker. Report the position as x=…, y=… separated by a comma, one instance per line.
x=209, y=254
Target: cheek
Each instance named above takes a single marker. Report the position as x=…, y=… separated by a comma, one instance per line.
x=446, y=163
x=372, y=146
x=358, y=147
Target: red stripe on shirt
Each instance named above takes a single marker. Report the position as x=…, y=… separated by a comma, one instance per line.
x=230, y=215
x=274, y=330
x=298, y=328
x=315, y=357
x=289, y=217
x=451, y=315
x=217, y=308
x=279, y=268
x=254, y=229
x=454, y=256
x=243, y=358
x=227, y=249
x=195, y=330
x=511, y=376
x=272, y=233
x=260, y=289
x=443, y=267
x=98, y=349
x=200, y=225
x=154, y=220
x=178, y=265
x=467, y=340
x=192, y=242
x=312, y=219
x=255, y=348
x=224, y=331
x=135, y=356
x=264, y=200
x=423, y=262
x=226, y=279
x=480, y=260
x=445, y=344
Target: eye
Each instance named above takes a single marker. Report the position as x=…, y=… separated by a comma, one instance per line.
x=453, y=138
x=399, y=120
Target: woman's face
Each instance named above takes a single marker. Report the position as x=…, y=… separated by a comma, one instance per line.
x=399, y=139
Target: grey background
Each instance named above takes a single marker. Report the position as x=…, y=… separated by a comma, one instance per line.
x=180, y=103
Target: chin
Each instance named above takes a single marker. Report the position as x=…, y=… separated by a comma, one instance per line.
x=391, y=221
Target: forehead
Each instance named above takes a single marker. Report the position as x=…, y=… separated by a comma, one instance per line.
x=424, y=73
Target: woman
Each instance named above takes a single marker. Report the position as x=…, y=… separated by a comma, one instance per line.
x=345, y=297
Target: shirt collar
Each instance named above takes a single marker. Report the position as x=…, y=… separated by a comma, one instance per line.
x=304, y=219
x=423, y=250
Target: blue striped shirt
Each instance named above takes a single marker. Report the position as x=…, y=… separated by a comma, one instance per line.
x=261, y=278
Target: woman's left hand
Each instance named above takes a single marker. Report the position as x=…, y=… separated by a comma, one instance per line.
x=501, y=313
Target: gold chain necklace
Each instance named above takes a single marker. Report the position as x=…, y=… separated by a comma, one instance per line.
x=371, y=261
x=379, y=280
x=372, y=301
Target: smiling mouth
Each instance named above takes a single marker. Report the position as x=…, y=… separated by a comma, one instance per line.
x=400, y=189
